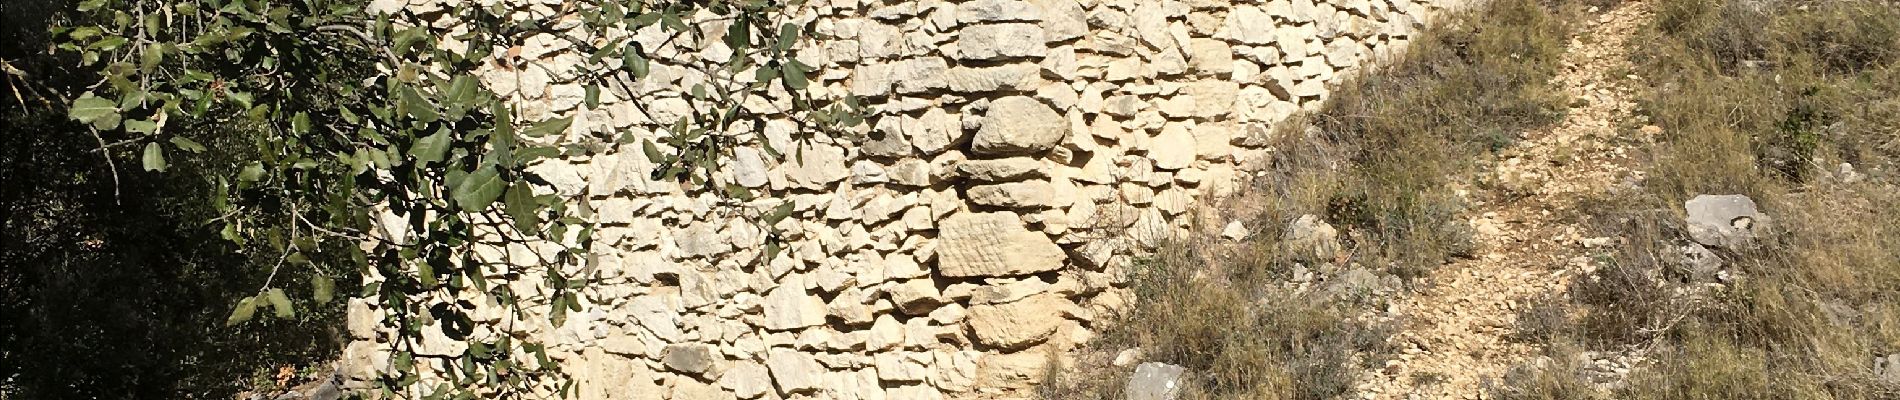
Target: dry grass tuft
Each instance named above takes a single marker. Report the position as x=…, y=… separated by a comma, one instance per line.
x=1763, y=98
x=1406, y=130
x=1377, y=162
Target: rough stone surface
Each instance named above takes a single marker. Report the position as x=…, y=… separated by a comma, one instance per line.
x=993, y=244
x=979, y=11
x=1174, y=148
x=1025, y=194
x=1729, y=221
x=746, y=379
x=1154, y=381
x=1063, y=20
x=794, y=371
x=1018, y=324
x=1019, y=125
x=1002, y=170
x=818, y=166
x=362, y=321
x=1311, y=238
x=1001, y=41
x=693, y=358
x=790, y=306
x=1702, y=264
x=1235, y=230
x=934, y=131
x=917, y=296
x=1887, y=369
x=1001, y=139
x=1007, y=77
x=1019, y=369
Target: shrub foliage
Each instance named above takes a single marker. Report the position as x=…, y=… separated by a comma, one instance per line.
x=344, y=152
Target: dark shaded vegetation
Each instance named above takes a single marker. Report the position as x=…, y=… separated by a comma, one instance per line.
x=1766, y=99
x=118, y=288
x=1379, y=161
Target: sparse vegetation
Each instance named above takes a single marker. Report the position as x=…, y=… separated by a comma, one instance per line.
x=1407, y=129
x=1774, y=100
x=1379, y=161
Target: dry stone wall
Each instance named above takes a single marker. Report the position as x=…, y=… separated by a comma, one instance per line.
x=1017, y=152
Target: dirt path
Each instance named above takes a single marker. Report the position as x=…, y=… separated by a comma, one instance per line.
x=1457, y=329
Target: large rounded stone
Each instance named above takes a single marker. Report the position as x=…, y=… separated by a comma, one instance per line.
x=1728, y=221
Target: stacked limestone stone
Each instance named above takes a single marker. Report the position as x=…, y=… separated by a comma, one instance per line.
x=1018, y=152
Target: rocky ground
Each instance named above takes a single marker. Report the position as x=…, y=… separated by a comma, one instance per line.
x=1457, y=330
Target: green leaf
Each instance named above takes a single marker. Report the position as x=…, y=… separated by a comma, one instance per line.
x=548, y=127
x=771, y=250
x=787, y=36
x=230, y=232
x=636, y=63
x=795, y=75
x=521, y=207
x=379, y=158
x=419, y=108
x=152, y=56
x=593, y=96
x=141, y=126
x=109, y=43
x=280, y=303
x=187, y=144
x=432, y=148
x=322, y=288
x=479, y=349
x=739, y=35
x=404, y=360
x=81, y=33
x=766, y=73
x=246, y=308
x=243, y=99
x=671, y=20
x=778, y=214
x=154, y=157
x=502, y=141
x=251, y=173
x=736, y=191
x=646, y=19
x=425, y=273
x=100, y=112
x=531, y=153
x=300, y=123
x=133, y=98
x=479, y=189
x=408, y=37
x=605, y=51
x=652, y=152
x=462, y=89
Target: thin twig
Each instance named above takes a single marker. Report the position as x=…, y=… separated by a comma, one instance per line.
x=314, y=227
x=364, y=36
x=110, y=165
x=19, y=76
x=274, y=269
x=287, y=249
x=106, y=146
